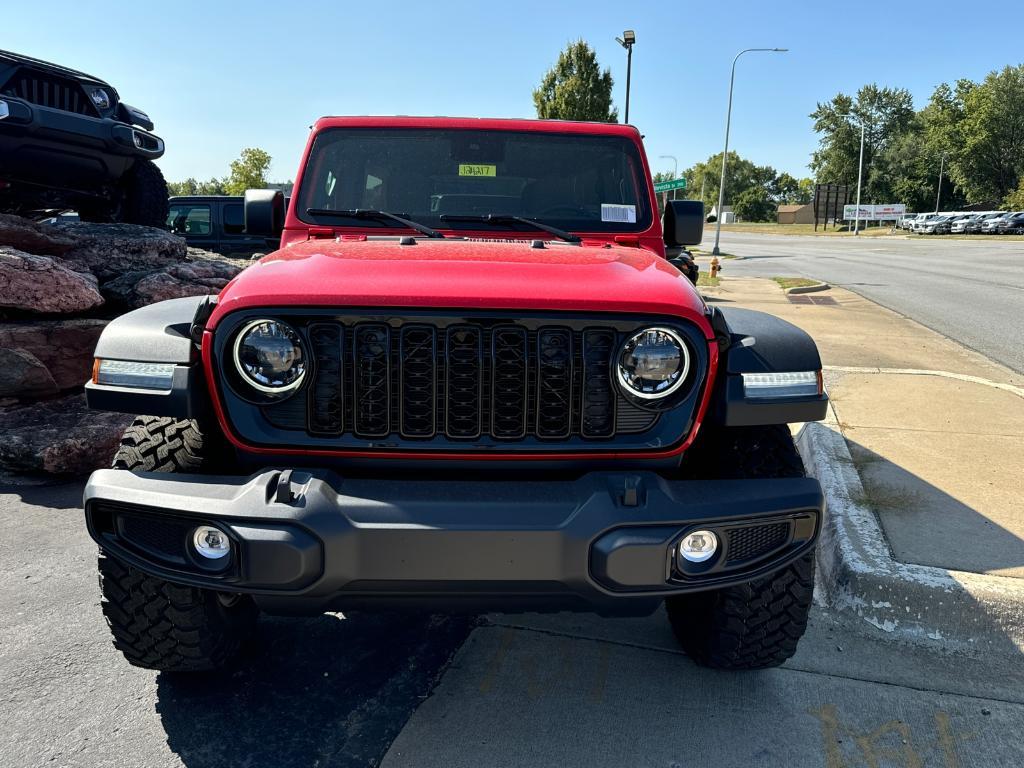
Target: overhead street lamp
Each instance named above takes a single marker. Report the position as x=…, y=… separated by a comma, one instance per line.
x=675, y=171
x=626, y=41
x=725, y=153
x=860, y=170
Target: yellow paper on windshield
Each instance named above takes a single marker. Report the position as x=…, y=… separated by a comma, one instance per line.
x=476, y=169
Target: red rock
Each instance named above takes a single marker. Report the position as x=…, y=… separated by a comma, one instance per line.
x=26, y=235
x=43, y=284
x=59, y=437
x=63, y=347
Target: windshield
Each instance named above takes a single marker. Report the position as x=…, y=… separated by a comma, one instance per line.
x=575, y=182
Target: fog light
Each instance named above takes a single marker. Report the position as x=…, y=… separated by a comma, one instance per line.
x=698, y=546
x=212, y=543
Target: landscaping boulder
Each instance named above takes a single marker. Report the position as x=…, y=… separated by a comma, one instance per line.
x=26, y=235
x=63, y=347
x=199, y=276
x=59, y=437
x=23, y=376
x=109, y=250
x=42, y=284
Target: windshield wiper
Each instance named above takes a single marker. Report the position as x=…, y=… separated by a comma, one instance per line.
x=502, y=218
x=373, y=213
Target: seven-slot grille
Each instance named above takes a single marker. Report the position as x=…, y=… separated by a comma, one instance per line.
x=462, y=381
x=50, y=90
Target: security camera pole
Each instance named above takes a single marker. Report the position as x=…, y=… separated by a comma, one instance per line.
x=725, y=153
x=626, y=41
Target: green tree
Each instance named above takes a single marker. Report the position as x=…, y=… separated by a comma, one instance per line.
x=886, y=114
x=192, y=187
x=805, y=192
x=755, y=204
x=759, y=186
x=575, y=88
x=1015, y=200
x=249, y=171
x=989, y=159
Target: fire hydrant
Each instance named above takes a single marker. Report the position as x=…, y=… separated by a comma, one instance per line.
x=715, y=268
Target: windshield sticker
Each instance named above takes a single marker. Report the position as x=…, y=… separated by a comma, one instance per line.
x=476, y=169
x=622, y=213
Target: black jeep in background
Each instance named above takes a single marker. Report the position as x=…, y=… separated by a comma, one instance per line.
x=67, y=141
x=215, y=223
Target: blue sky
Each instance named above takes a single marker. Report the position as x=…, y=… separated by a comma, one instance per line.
x=218, y=76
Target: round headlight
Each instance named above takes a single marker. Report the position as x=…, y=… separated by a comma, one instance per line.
x=268, y=354
x=100, y=98
x=653, y=363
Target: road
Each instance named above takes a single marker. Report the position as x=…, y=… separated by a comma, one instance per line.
x=566, y=690
x=969, y=290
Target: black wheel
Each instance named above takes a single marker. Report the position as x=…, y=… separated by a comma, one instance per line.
x=157, y=624
x=144, y=196
x=757, y=624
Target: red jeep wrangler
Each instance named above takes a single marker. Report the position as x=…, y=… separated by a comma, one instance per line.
x=469, y=380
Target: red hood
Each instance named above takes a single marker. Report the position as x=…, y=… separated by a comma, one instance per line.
x=466, y=274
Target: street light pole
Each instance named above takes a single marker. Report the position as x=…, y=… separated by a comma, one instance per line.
x=626, y=41
x=675, y=171
x=938, y=194
x=860, y=170
x=725, y=153
x=860, y=176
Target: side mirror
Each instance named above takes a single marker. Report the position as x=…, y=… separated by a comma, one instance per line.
x=683, y=222
x=264, y=212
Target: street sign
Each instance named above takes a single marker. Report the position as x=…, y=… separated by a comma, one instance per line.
x=668, y=186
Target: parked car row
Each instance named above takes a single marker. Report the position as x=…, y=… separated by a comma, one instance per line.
x=958, y=223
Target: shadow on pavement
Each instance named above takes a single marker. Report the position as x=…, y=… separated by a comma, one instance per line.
x=927, y=526
x=328, y=691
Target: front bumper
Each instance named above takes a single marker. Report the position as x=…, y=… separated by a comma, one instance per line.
x=306, y=542
x=37, y=140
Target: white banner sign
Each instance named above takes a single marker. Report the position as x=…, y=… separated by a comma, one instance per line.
x=874, y=212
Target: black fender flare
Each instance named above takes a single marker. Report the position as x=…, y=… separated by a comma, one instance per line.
x=167, y=332
x=758, y=342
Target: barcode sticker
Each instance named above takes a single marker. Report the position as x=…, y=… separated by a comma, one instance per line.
x=623, y=213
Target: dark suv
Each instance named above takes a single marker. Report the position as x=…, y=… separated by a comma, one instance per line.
x=68, y=141
x=215, y=223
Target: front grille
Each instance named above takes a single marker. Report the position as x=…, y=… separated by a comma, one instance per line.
x=754, y=541
x=461, y=381
x=49, y=89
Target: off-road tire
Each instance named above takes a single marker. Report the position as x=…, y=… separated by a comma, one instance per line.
x=157, y=624
x=163, y=444
x=169, y=627
x=757, y=624
x=144, y=196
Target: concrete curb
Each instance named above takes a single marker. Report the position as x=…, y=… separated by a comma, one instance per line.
x=920, y=604
x=807, y=288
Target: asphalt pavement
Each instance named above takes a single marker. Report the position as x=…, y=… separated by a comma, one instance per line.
x=564, y=690
x=969, y=290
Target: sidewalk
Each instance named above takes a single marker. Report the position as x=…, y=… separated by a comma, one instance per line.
x=935, y=430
